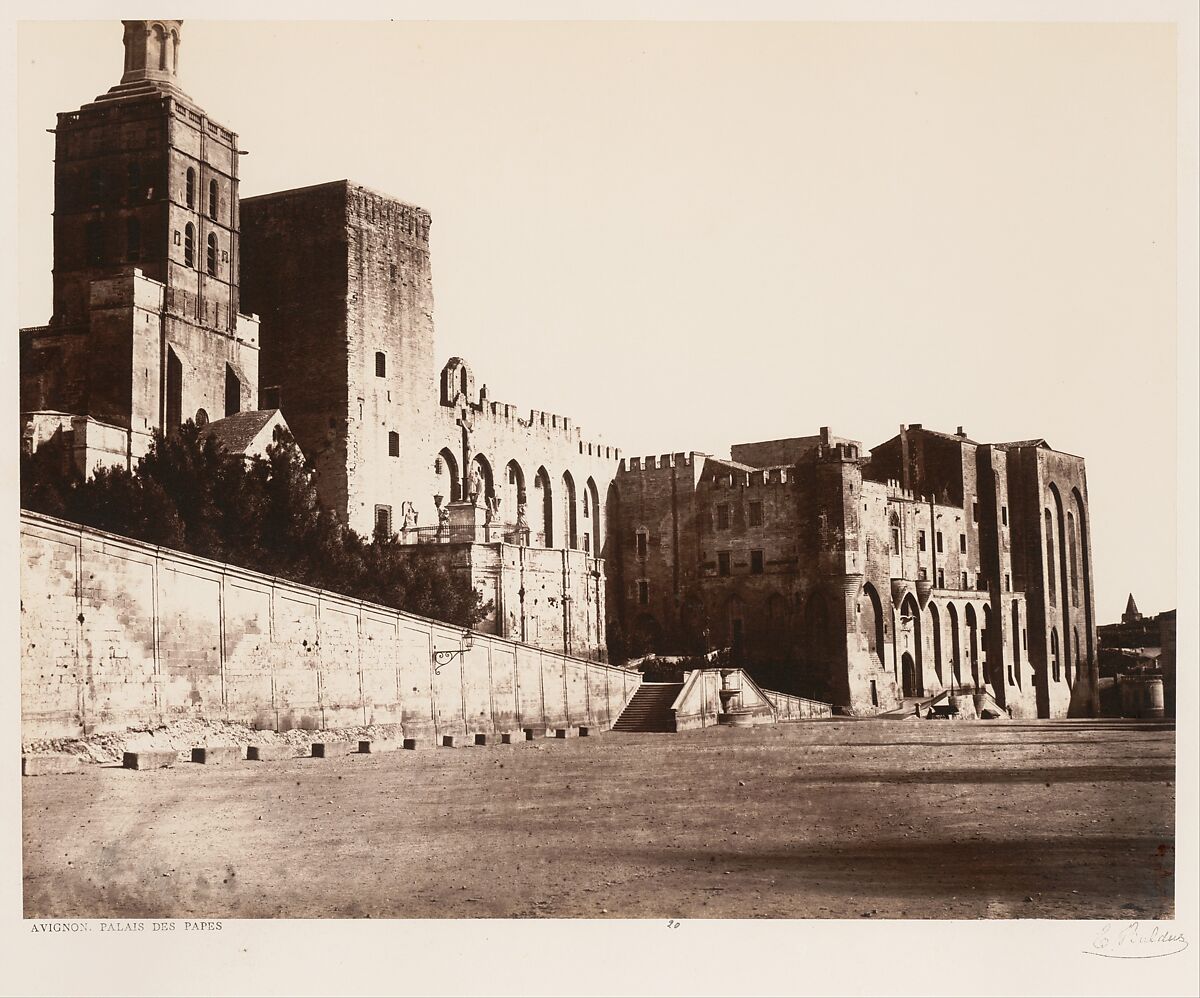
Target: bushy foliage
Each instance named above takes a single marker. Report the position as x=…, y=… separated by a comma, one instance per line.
x=262, y=514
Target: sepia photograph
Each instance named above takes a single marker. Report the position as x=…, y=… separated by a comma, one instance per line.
x=651, y=473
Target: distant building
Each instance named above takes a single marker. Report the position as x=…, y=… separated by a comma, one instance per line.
x=1140, y=644
x=934, y=562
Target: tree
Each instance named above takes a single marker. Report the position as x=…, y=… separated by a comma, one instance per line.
x=263, y=514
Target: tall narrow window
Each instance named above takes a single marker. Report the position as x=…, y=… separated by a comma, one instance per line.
x=920, y=540
x=1004, y=515
x=962, y=543
x=1074, y=560
x=724, y=564
x=189, y=245
x=941, y=579
x=1050, y=559
x=383, y=521
x=643, y=589
x=643, y=543
x=233, y=392
x=133, y=177
x=393, y=444
x=756, y=514
x=895, y=524
x=189, y=188
x=974, y=512
x=939, y=542
x=756, y=563
x=964, y=581
x=212, y=199
x=133, y=240
x=97, y=185
x=212, y=254
x=380, y=364
x=723, y=517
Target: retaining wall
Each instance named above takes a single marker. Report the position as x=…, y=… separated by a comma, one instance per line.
x=116, y=633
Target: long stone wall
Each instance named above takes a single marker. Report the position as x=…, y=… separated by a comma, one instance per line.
x=116, y=633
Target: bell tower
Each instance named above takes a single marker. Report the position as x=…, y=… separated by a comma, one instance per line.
x=152, y=52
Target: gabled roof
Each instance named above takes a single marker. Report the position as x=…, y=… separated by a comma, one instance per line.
x=1039, y=442
x=236, y=433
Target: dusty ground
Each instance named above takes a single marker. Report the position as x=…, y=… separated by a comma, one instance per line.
x=836, y=819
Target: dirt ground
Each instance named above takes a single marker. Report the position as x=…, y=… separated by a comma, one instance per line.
x=820, y=819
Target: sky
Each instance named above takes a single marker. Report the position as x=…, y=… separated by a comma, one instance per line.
x=685, y=236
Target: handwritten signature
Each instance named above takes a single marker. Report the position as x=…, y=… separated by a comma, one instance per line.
x=1135, y=941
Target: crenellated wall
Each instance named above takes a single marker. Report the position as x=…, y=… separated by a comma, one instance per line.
x=116, y=633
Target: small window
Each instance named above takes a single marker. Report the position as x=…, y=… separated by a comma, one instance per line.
x=922, y=574
x=920, y=540
x=587, y=543
x=974, y=512
x=643, y=543
x=643, y=590
x=268, y=398
x=1024, y=638
x=211, y=256
x=723, y=563
x=939, y=542
x=1004, y=515
x=133, y=240
x=964, y=581
x=962, y=543
x=756, y=514
x=383, y=521
x=189, y=245
x=94, y=235
x=895, y=539
x=1007, y=583
x=723, y=516
x=756, y=563
x=380, y=364
x=979, y=581
x=941, y=578
x=585, y=504
x=393, y=444
x=212, y=199
x=189, y=190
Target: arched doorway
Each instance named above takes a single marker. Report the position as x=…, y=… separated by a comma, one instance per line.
x=870, y=622
x=908, y=669
x=955, y=645
x=973, y=644
x=909, y=640
x=935, y=631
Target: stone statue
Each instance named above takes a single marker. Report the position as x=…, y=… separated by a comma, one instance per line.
x=443, y=517
x=522, y=523
x=475, y=484
x=409, y=514
x=493, y=508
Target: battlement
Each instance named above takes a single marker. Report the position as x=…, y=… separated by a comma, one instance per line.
x=762, y=478
x=663, y=462
x=840, y=452
x=897, y=491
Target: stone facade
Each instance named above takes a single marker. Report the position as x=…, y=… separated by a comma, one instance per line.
x=919, y=567
x=146, y=330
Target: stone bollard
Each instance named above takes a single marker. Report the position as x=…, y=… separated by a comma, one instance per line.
x=149, y=759
x=49, y=764
x=216, y=755
x=447, y=741
x=481, y=738
x=269, y=753
x=411, y=743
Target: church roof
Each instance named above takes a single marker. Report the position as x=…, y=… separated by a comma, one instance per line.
x=236, y=433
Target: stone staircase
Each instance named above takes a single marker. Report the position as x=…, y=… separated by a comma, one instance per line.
x=649, y=709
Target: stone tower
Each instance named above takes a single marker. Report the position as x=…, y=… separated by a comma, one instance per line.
x=145, y=332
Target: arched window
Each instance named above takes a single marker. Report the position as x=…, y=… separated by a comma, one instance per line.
x=133, y=240
x=1074, y=562
x=212, y=199
x=380, y=364
x=1050, y=559
x=190, y=188
x=212, y=254
x=189, y=245
x=393, y=444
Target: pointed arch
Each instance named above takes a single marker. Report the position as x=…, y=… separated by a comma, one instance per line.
x=512, y=492
x=544, y=503
x=955, y=644
x=612, y=514
x=935, y=631
x=910, y=618
x=445, y=468
x=570, y=523
x=973, y=643
x=593, y=514
x=1015, y=677
x=870, y=621
x=481, y=477
x=1085, y=558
